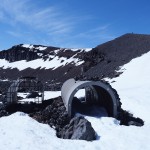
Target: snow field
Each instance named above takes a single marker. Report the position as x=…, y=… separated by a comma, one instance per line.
x=19, y=131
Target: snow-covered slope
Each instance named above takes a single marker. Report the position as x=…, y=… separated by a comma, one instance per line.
x=19, y=131
x=39, y=63
x=47, y=61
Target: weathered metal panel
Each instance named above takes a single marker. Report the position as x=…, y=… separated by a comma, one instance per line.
x=70, y=87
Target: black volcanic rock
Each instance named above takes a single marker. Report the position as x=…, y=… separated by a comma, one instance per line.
x=19, y=52
x=78, y=128
x=56, y=116
x=3, y=111
x=128, y=119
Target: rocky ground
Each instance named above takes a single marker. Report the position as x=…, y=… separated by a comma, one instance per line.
x=53, y=112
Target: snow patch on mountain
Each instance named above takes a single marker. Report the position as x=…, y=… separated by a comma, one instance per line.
x=40, y=63
x=82, y=49
x=30, y=46
x=4, y=80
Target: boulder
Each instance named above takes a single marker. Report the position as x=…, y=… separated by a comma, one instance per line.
x=128, y=119
x=78, y=128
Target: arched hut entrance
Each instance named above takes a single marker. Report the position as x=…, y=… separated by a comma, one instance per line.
x=96, y=93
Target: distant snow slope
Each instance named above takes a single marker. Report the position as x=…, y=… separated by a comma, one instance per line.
x=21, y=132
x=32, y=46
x=40, y=63
x=52, y=61
x=83, y=49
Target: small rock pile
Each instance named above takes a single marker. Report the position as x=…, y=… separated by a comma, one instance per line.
x=56, y=116
x=128, y=119
x=3, y=111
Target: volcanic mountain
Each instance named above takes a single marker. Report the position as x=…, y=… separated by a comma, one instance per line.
x=55, y=65
x=132, y=87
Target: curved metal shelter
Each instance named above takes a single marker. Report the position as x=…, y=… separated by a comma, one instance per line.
x=26, y=84
x=96, y=92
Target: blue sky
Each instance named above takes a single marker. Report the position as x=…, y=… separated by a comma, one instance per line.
x=70, y=23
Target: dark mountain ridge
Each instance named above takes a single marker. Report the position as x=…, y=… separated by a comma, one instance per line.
x=119, y=52
x=101, y=61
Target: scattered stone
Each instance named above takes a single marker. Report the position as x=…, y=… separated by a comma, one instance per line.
x=3, y=111
x=56, y=116
x=127, y=119
x=54, y=113
x=78, y=128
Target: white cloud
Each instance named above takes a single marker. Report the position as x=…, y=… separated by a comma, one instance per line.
x=34, y=24
x=48, y=19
